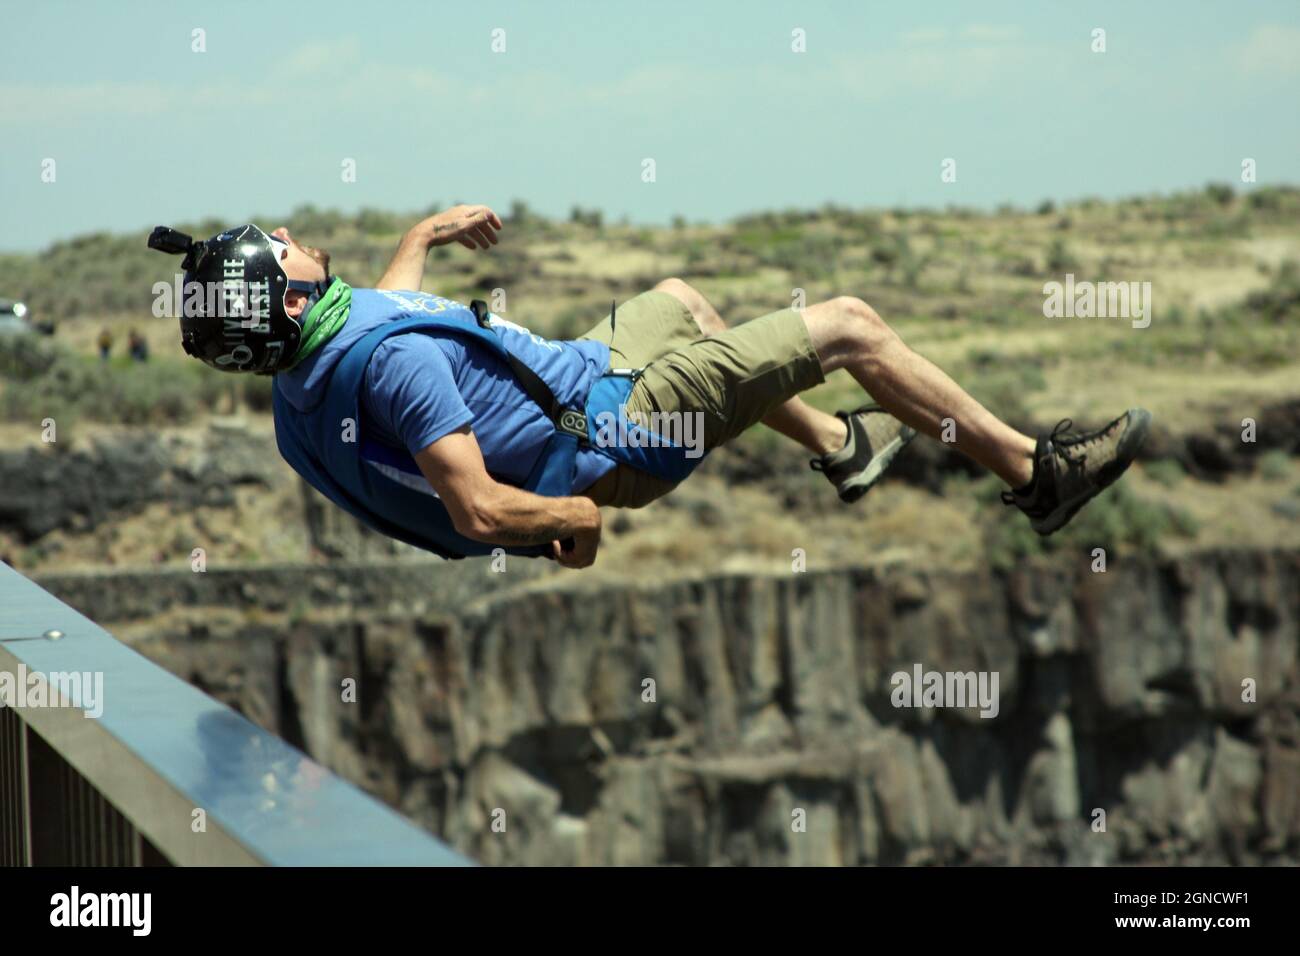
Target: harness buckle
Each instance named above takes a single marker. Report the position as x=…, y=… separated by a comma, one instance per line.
x=574, y=423
x=480, y=310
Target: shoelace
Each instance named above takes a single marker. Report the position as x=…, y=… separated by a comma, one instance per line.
x=1063, y=442
x=1077, y=442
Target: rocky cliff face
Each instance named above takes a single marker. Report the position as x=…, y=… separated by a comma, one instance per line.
x=138, y=497
x=749, y=719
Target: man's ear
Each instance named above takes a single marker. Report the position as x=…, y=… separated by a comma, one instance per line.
x=294, y=303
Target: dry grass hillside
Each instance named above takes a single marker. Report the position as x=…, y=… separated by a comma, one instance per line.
x=964, y=288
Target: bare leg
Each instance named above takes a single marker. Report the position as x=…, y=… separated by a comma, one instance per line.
x=821, y=433
x=848, y=334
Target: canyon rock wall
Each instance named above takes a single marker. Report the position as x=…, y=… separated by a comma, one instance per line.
x=514, y=714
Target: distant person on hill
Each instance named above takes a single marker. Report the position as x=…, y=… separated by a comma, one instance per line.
x=138, y=346
x=105, y=344
x=450, y=428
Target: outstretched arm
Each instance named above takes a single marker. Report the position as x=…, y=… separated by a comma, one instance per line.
x=486, y=510
x=474, y=227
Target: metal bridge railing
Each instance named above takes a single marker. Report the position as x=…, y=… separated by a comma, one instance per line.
x=161, y=773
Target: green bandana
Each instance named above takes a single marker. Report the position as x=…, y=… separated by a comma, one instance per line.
x=323, y=321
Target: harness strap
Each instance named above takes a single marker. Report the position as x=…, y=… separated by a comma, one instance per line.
x=572, y=422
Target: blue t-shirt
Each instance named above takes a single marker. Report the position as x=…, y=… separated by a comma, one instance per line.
x=419, y=388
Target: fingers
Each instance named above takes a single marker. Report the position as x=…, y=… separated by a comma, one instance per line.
x=474, y=227
x=471, y=236
x=488, y=215
x=483, y=233
x=573, y=558
x=483, y=225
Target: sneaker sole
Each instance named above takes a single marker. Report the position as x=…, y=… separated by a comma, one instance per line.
x=1129, y=445
x=861, y=483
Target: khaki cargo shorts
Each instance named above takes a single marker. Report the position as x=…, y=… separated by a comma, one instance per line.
x=734, y=379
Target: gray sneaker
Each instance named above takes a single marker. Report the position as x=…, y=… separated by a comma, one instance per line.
x=1072, y=469
x=875, y=439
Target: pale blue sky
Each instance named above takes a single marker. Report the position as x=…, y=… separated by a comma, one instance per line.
x=145, y=131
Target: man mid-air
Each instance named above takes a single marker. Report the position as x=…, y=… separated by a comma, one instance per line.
x=444, y=426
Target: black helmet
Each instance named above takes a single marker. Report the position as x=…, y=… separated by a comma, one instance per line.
x=234, y=318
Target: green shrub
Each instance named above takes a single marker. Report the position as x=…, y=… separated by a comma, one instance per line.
x=1227, y=227
x=1275, y=465
x=586, y=217
x=24, y=357
x=375, y=222
x=60, y=384
x=312, y=223
x=1165, y=471
x=1265, y=200
x=1022, y=266
x=1220, y=193
x=963, y=280
x=806, y=255
x=1281, y=299
x=1059, y=257
x=1001, y=385
x=913, y=267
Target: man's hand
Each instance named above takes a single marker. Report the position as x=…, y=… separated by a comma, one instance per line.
x=582, y=553
x=474, y=227
x=487, y=510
